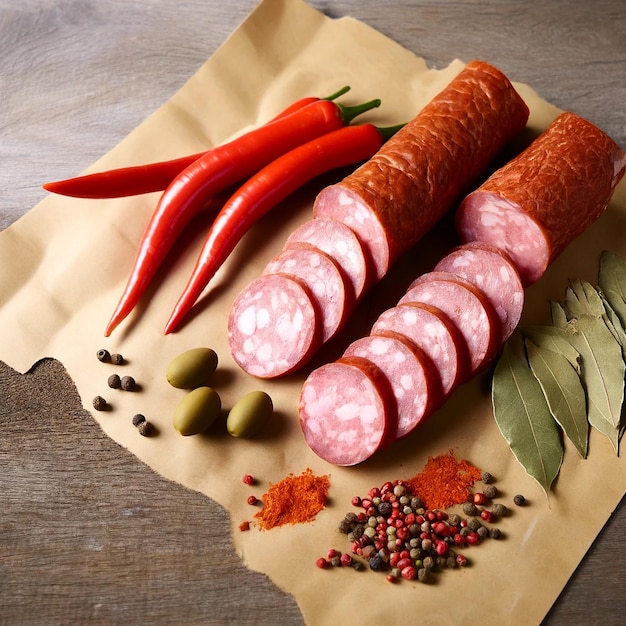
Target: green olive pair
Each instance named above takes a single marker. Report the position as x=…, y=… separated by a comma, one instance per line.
x=200, y=408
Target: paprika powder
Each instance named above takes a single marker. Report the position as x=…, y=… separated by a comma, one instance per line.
x=293, y=500
x=444, y=481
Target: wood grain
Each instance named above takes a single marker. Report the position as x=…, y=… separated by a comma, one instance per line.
x=76, y=77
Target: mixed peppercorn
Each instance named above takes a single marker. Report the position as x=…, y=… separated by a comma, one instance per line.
x=394, y=533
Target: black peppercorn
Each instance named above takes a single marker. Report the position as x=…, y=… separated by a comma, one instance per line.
x=103, y=355
x=499, y=509
x=384, y=508
x=495, y=533
x=128, y=383
x=117, y=359
x=519, y=500
x=138, y=419
x=491, y=491
x=114, y=381
x=99, y=403
x=377, y=563
x=145, y=428
x=487, y=478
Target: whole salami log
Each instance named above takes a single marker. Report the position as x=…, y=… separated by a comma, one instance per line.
x=347, y=411
x=412, y=376
x=543, y=199
x=493, y=272
x=466, y=306
x=274, y=326
x=391, y=201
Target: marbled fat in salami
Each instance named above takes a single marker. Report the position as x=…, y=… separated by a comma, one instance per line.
x=339, y=242
x=391, y=201
x=466, y=306
x=539, y=202
x=273, y=326
x=346, y=409
x=411, y=374
x=493, y=272
x=324, y=280
x=430, y=329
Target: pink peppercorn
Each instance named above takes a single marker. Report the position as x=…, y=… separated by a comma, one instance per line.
x=322, y=563
x=409, y=572
x=346, y=559
x=480, y=498
x=473, y=538
x=356, y=501
x=441, y=548
x=248, y=479
x=486, y=516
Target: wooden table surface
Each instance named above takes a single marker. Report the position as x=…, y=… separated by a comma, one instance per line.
x=88, y=534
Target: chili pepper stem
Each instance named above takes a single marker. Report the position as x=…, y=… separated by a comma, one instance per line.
x=347, y=114
x=339, y=92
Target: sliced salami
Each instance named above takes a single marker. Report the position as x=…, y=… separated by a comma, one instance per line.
x=493, y=272
x=539, y=202
x=411, y=374
x=346, y=409
x=430, y=329
x=274, y=326
x=340, y=243
x=324, y=279
x=391, y=201
x=466, y=306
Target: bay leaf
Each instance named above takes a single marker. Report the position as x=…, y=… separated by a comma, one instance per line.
x=523, y=416
x=558, y=314
x=612, y=282
x=554, y=339
x=582, y=298
x=564, y=393
x=614, y=324
x=602, y=373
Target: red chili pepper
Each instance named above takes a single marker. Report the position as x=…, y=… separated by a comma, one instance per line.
x=149, y=177
x=267, y=188
x=216, y=171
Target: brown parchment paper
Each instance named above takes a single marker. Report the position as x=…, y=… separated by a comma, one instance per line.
x=64, y=264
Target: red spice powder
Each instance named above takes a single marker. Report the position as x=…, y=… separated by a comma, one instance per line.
x=444, y=481
x=293, y=500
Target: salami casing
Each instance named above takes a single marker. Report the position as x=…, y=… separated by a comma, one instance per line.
x=324, y=280
x=391, y=201
x=493, y=272
x=346, y=411
x=430, y=329
x=466, y=306
x=340, y=243
x=411, y=374
x=273, y=326
x=543, y=199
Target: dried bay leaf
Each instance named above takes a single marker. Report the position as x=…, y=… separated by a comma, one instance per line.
x=564, y=393
x=614, y=324
x=554, y=339
x=558, y=314
x=582, y=298
x=612, y=282
x=602, y=373
x=524, y=418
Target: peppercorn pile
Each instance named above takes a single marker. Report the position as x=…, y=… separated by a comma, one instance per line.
x=395, y=533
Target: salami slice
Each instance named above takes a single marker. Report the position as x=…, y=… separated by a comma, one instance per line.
x=411, y=374
x=273, y=327
x=493, y=272
x=346, y=409
x=324, y=280
x=391, y=201
x=430, y=329
x=466, y=306
x=539, y=202
x=340, y=243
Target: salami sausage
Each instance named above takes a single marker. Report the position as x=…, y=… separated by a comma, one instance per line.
x=391, y=201
x=273, y=326
x=346, y=411
x=411, y=374
x=466, y=306
x=493, y=272
x=430, y=329
x=543, y=199
x=339, y=242
x=324, y=280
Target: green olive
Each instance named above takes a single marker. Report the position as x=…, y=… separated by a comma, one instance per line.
x=197, y=411
x=249, y=414
x=192, y=368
